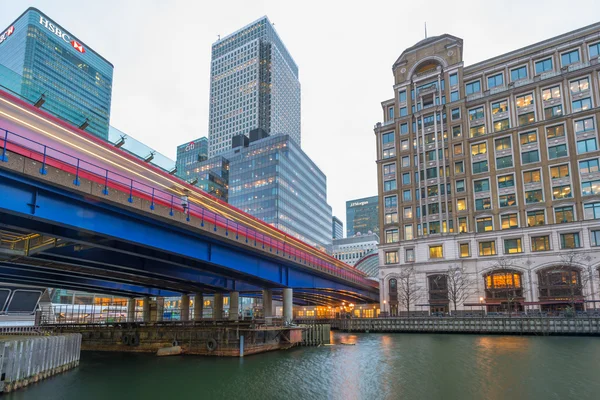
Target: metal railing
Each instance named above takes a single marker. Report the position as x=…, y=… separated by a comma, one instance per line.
x=82, y=169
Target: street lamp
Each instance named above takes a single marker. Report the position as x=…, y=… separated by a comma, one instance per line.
x=384, y=312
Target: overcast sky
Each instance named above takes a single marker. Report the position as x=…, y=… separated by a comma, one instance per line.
x=344, y=51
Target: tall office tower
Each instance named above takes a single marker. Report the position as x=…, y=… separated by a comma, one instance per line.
x=193, y=165
x=337, y=228
x=274, y=180
x=362, y=216
x=493, y=169
x=46, y=65
x=253, y=85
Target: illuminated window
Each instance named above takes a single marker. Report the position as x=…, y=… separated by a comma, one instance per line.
x=540, y=243
x=513, y=246
x=528, y=137
x=559, y=171
x=536, y=218
x=569, y=241
x=526, y=119
x=484, y=224
x=524, y=101
x=503, y=143
x=476, y=113
x=391, y=218
x=477, y=131
x=391, y=257
x=487, y=248
x=563, y=214
x=462, y=225
x=408, y=232
x=503, y=280
x=464, y=250
x=392, y=236
x=501, y=125
x=505, y=181
x=479, y=148
x=532, y=176
x=461, y=204
x=552, y=93
x=509, y=221
x=507, y=200
x=579, y=85
x=436, y=251
x=499, y=107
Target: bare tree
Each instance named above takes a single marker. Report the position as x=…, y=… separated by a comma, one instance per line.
x=460, y=284
x=511, y=288
x=409, y=292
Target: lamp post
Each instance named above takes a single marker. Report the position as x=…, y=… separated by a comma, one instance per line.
x=384, y=312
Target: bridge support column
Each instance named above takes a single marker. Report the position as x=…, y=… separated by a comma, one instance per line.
x=198, y=306
x=234, y=306
x=288, y=305
x=146, y=309
x=131, y=310
x=160, y=308
x=218, y=306
x=185, y=307
x=267, y=299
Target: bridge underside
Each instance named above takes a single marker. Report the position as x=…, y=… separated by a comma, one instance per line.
x=58, y=238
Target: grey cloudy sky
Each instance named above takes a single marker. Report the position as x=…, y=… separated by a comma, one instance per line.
x=344, y=50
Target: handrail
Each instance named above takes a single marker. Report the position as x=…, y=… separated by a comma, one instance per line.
x=48, y=156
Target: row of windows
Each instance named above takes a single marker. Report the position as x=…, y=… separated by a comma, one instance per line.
x=562, y=214
x=568, y=241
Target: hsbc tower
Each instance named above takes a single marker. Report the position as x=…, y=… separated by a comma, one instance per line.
x=45, y=64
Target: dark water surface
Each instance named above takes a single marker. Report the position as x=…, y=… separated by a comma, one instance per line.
x=379, y=366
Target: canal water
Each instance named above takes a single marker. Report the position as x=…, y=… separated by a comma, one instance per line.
x=377, y=366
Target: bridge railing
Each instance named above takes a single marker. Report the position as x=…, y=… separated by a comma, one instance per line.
x=81, y=169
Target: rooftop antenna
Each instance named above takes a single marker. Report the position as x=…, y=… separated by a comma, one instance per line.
x=219, y=37
x=425, y=30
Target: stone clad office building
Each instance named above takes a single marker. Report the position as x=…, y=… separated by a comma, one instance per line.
x=493, y=170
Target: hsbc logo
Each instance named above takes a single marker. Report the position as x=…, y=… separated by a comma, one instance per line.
x=61, y=34
x=6, y=34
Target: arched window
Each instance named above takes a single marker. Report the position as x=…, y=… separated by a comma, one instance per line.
x=438, y=293
x=560, y=287
x=504, y=290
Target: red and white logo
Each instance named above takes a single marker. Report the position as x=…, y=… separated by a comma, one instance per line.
x=6, y=34
x=77, y=46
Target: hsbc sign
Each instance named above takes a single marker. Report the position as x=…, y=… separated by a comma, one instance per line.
x=61, y=34
x=6, y=34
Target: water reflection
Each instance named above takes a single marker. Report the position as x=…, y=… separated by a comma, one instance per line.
x=379, y=366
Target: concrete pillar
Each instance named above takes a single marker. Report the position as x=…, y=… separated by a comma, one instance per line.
x=218, y=306
x=234, y=306
x=267, y=298
x=146, y=309
x=185, y=307
x=160, y=308
x=288, y=305
x=131, y=310
x=198, y=306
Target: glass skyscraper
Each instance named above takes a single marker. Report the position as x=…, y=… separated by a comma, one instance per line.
x=194, y=166
x=274, y=180
x=254, y=84
x=362, y=215
x=45, y=64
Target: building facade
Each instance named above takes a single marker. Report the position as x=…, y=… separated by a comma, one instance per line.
x=337, y=228
x=210, y=175
x=254, y=85
x=46, y=65
x=490, y=174
x=362, y=216
x=275, y=181
x=353, y=249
